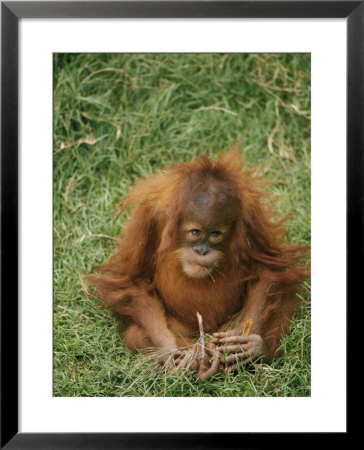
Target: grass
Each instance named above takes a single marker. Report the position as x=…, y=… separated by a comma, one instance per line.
x=119, y=117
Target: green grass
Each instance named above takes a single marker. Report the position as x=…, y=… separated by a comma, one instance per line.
x=119, y=117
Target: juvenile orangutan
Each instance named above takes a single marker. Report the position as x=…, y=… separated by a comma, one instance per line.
x=201, y=239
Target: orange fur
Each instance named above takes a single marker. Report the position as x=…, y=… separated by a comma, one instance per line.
x=144, y=282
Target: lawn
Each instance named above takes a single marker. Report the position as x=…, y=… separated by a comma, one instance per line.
x=120, y=117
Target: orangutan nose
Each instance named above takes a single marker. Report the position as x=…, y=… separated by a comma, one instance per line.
x=201, y=250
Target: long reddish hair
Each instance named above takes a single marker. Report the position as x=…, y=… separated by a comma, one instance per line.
x=258, y=241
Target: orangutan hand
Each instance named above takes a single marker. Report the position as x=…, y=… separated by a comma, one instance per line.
x=237, y=350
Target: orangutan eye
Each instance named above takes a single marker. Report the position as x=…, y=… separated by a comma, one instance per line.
x=195, y=233
x=215, y=235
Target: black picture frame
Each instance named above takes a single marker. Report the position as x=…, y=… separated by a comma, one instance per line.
x=11, y=12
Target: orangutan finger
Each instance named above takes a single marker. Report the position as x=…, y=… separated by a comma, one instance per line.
x=213, y=370
x=235, y=339
x=178, y=360
x=223, y=334
x=236, y=357
x=212, y=351
x=194, y=365
x=231, y=348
